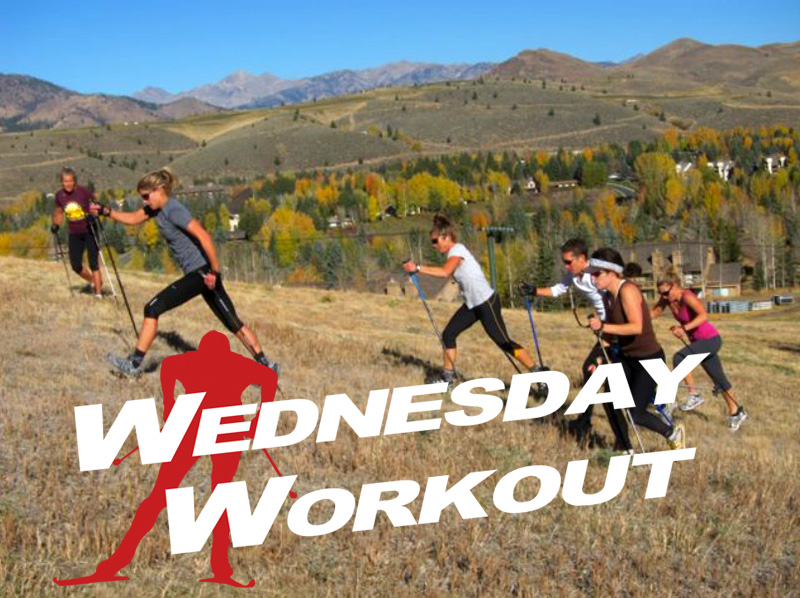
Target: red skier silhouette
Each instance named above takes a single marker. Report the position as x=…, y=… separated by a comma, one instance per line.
x=223, y=376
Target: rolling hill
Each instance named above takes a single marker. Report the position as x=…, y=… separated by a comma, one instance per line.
x=683, y=66
x=30, y=103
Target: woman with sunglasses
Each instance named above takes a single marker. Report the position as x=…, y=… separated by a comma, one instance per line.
x=575, y=258
x=192, y=248
x=481, y=303
x=628, y=319
x=703, y=337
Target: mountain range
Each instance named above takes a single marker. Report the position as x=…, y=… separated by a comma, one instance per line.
x=682, y=68
x=245, y=90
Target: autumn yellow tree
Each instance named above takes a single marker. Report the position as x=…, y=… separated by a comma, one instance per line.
x=654, y=170
x=286, y=229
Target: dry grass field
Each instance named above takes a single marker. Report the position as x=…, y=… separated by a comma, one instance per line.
x=727, y=527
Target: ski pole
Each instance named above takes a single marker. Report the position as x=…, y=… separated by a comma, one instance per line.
x=116, y=272
x=64, y=261
x=119, y=461
x=628, y=416
x=102, y=259
x=292, y=493
x=533, y=329
x=424, y=300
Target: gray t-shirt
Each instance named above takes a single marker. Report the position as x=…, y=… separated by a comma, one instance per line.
x=172, y=221
x=469, y=277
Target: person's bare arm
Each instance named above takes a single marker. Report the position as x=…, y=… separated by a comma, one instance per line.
x=131, y=218
x=697, y=307
x=58, y=215
x=657, y=309
x=445, y=271
x=195, y=229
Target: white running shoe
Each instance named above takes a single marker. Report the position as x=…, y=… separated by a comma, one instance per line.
x=678, y=439
x=735, y=420
x=692, y=402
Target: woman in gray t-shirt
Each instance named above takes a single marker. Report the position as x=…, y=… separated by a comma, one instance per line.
x=481, y=303
x=193, y=249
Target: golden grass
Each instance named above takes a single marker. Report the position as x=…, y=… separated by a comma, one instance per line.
x=728, y=525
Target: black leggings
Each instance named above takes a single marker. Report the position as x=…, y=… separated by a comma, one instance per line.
x=189, y=287
x=489, y=314
x=643, y=389
x=711, y=364
x=78, y=243
x=616, y=419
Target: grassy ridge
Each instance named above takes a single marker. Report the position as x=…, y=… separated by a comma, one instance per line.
x=729, y=523
x=432, y=119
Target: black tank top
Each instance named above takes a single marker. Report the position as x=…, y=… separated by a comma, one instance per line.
x=640, y=345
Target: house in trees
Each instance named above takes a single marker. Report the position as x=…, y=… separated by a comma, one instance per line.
x=682, y=167
x=563, y=185
x=724, y=280
x=530, y=187
x=723, y=167
x=696, y=264
x=774, y=163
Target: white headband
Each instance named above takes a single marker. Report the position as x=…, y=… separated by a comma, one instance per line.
x=595, y=264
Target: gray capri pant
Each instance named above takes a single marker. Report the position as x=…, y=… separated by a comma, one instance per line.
x=711, y=364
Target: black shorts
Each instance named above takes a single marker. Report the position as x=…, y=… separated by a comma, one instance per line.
x=189, y=287
x=78, y=243
x=490, y=315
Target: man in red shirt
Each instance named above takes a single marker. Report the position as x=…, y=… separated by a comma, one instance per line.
x=72, y=201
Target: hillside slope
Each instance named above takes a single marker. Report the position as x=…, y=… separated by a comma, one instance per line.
x=27, y=102
x=684, y=66
x=729, y=519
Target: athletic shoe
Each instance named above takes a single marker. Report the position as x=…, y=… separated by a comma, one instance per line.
x=665, y=413
x=692, y=402
x=445, y=376
x=541, y=388
x=98, y=296
x=273, y=365
x=678, y=438
x=735, y=420
x=124, y=365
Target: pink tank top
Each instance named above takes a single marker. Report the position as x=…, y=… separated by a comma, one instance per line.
x=685, y=315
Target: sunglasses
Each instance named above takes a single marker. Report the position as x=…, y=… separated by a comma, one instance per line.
x=435, y=241
x=596, y=274
x=567, y=262
x=146, y=196
x=666, y=293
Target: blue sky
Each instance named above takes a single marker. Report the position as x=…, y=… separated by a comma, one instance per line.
x=121, y=47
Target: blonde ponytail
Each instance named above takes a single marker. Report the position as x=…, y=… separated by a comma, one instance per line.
x=163, y=177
